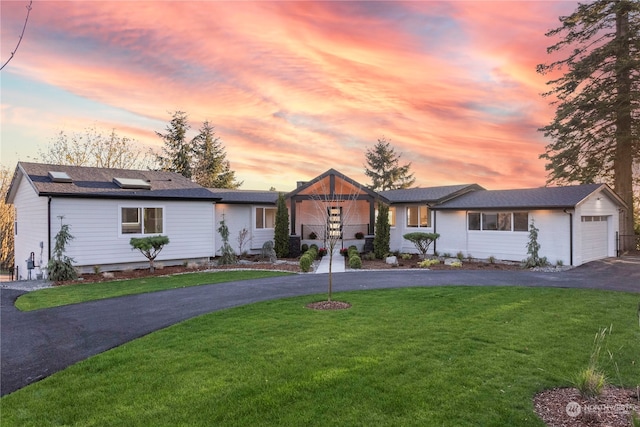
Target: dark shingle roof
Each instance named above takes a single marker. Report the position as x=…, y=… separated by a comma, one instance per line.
x=245, y=196
x=528, y=198
x=88, y=182
x=429, y=194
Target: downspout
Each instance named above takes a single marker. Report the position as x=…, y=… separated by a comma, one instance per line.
x=570, y=236
x=435, y=242
x=49, y=229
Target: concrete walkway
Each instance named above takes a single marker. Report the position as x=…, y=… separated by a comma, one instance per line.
x=337, y=263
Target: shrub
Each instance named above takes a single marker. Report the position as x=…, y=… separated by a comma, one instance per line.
x=382, y=235
x=355, y=261
x=460, y=256
x=268, y=252
x=96, y=269
x=559, y=263
x=281, y=229
x=60, y=267
x=313, y=246
x=422, y=241
x=406, y=256
x=456, y=264
x=305, y=263
x=322, y=252
x=492, y=259
x=446, y=255
x=149, y=246
x=228, y=256
x=428, y=263
x=369, y=256
x=344, y=252
x=359, y=235
x=304, y=248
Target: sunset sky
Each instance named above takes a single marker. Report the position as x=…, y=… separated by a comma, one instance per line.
x=292, y=88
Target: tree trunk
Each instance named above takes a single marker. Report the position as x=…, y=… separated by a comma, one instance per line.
x=623, y=160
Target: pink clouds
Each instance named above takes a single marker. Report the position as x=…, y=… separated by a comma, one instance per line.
x=296, y=88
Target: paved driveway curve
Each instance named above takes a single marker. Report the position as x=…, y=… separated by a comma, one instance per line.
x=39, y=343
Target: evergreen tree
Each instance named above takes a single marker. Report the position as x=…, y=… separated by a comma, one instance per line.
x=177, y=153
x=383, y=167
x=382, y=233
x=60, y=266
x=212, y=169
x=281, y=232
x=595, y=131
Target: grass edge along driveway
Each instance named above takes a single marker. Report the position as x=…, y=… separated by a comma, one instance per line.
x=72, y=294
x=453, y=356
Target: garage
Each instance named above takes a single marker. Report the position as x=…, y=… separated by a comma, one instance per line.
x=595, y=237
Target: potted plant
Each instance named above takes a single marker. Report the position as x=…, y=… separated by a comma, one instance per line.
x=313, y=235
x=344, y=252
x=322, y=252
x=359, y=235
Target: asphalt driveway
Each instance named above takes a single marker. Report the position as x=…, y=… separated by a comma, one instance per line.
x=36, y=344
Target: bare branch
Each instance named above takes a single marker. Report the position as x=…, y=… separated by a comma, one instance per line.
x=21, y=35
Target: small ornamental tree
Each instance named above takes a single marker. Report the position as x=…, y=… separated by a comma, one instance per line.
x=382, y=233
x=422, y=241
x=59, y=267
x=281, y=232
x=533, y=260
x=227, y=256
x=149, y=246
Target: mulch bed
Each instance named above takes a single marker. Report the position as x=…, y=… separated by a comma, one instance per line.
x=565, y=407
x=329, y=305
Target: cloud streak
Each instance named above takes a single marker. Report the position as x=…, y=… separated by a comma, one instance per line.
x=295, y=88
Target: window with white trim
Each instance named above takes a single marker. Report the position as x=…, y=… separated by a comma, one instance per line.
x=265, y=218
x=141, y=220
x=418, y=216
x=498, y=221
x=392, y=216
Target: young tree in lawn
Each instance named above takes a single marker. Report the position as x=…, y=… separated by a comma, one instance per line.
x=342, y=203
x=382, y=233
x=281, y=232
x=383, y=167
x=422, y=241
x=149, y=246
x=177, y=152
x=211, y=167
x=596, y=128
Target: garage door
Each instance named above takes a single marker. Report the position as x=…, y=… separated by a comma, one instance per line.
x=594, y=238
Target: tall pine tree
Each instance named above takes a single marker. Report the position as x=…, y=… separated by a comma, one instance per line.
x=383, y=167
x=177, y=152
x=212, y=169
x=596, y=128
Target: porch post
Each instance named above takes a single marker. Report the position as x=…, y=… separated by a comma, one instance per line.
x=372, y=215
x=293, y=216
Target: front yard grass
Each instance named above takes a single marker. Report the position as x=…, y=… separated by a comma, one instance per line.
x=71, y=294
x=442, y=356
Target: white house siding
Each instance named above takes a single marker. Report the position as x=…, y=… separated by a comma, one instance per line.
x=95, y=225
x=31, y=212
x=238, y=217
x=585, y=247
x=553, y=237
x=452, y=228
x=399, y=243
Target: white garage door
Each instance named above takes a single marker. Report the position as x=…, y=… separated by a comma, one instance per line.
x=594, y=238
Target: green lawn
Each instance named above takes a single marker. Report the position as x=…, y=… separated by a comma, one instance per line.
x=71, y=294
x=452, y=356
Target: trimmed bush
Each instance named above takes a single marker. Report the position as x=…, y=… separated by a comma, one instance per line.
x=305, y=263
x=304, y=248
x=355, y=261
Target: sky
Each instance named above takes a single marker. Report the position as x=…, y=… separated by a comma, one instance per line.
x=292, y=88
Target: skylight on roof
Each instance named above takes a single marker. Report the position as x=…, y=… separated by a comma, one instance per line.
x=132, y=183
x=57, y=176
